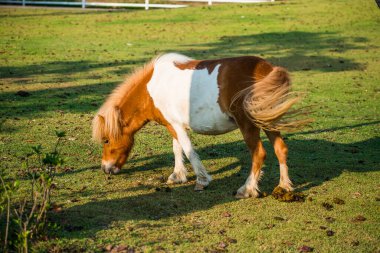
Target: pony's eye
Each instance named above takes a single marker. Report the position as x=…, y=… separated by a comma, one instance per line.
x=106, y=141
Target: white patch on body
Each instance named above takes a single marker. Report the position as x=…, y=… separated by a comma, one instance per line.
x=188, y=97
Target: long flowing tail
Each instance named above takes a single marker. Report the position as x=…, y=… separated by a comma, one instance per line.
x=268, y=103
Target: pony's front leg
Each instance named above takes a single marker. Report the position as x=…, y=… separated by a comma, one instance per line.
x=203, y=178
x=252, y=138
x=179, y=174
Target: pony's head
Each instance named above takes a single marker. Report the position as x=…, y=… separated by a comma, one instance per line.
x=109, y=129
x=115, y=123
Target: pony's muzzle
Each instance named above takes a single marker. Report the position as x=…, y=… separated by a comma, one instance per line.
x=109, y=168
x=105, y=169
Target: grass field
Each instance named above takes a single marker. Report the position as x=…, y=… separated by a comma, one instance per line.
x=69, y=60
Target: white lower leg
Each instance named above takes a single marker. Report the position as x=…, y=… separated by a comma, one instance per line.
x=250, y=188
x=179, y=174
x=284, y=178
x=203, y=178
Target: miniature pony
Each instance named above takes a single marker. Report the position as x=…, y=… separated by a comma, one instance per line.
x=209, y=97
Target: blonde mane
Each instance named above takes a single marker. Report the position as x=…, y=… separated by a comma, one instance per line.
x=108, y=122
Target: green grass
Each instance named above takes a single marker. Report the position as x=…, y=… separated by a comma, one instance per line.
x=69, y=60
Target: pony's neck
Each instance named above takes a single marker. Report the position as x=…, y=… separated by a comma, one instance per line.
x=134, y=119
x=137, y=106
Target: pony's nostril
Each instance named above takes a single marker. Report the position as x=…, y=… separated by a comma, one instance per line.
x=115, y=170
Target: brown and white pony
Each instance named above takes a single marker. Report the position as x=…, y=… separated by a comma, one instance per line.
x=208, y=96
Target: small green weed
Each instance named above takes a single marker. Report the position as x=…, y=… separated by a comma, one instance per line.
x=26, y=216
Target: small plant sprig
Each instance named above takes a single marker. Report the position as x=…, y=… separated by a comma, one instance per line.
x=30, y=216
x=6, y=193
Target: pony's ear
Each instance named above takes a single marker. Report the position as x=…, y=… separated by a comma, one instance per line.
x=117, y=109
x=102, y=121
x=98, y=125
x=119, y=116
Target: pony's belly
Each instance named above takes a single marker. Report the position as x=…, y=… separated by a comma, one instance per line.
x=211, y=121
x=214, y=131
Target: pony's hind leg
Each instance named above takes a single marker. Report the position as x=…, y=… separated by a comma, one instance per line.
x=180, y=172
x=252, y=138
x=281, y=151
x=203, y=178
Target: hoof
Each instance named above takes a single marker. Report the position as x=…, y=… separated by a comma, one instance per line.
x=240, y=196
x=286, y=187
x=199, y=187
x=202, y=182
x=244, y=193
x=176, y=179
